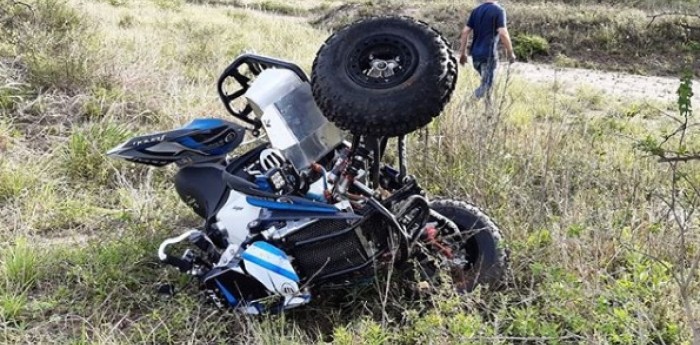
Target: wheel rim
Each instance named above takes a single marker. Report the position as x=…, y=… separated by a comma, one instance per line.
x=463, y=266
x=464, y=254
x=382, y=61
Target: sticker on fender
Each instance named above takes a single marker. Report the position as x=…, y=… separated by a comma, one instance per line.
x=271, y=267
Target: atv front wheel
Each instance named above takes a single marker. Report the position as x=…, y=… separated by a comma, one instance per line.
x=479, y=248
x=384, y=76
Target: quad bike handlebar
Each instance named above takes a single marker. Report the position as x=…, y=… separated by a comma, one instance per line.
x=255, y=64
x=182, y=264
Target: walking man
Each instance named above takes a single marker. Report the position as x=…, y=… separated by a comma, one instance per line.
x=488, y=22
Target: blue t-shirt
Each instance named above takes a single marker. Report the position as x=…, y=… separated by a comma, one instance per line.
x=485, y=20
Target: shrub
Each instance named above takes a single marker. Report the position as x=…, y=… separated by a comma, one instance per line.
x=528, y=46
x=281, y=8
x=126, y=21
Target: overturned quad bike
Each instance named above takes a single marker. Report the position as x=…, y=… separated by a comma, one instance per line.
x=307, y=208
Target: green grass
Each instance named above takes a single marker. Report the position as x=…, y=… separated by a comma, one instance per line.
x=13, y=181
x=20, y=268
x=84, y=156
x=10, y=95
x=558, y=170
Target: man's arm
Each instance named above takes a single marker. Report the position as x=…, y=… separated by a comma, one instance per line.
x=463, y=44
x=507, y=44
x=501, y=25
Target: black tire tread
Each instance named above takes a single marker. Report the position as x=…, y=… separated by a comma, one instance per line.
x=349, y=112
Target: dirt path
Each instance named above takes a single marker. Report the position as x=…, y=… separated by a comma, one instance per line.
x=618, y=85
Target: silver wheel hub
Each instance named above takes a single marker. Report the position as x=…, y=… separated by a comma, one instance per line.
x=382, y=68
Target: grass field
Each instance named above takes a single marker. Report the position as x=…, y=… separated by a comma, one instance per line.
x=595, y=253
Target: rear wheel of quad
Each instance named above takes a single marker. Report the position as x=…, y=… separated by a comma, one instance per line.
x=384, y=76
x=477, y=255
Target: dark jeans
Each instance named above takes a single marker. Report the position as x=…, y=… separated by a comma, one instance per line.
x=487, y=69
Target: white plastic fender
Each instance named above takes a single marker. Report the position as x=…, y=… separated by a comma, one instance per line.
x=234, y=217
x=271, y=267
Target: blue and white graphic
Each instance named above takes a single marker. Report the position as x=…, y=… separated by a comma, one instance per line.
x=271, y=267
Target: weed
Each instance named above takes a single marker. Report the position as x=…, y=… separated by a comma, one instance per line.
x=12, y=94
x=100, y=102
x=13, y=181
x=20, y=267
x=126, y=21
x=199, y=52
x=590, y=97
x=6, y=136
x=84, y=155
x=57, y=213
x=11, y=306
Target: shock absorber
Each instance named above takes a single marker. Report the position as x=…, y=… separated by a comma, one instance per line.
x=340, y=166
x=357, y=163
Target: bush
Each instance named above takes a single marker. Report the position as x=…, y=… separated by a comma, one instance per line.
x=528, y=46
x=127, y=21
x=281, y=8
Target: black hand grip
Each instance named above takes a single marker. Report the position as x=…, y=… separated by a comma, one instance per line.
x=181, y=265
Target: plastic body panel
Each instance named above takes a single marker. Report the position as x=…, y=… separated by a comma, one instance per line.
x=234, y=216
x=200, y=141
x=290, y=117
x=271, y=267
